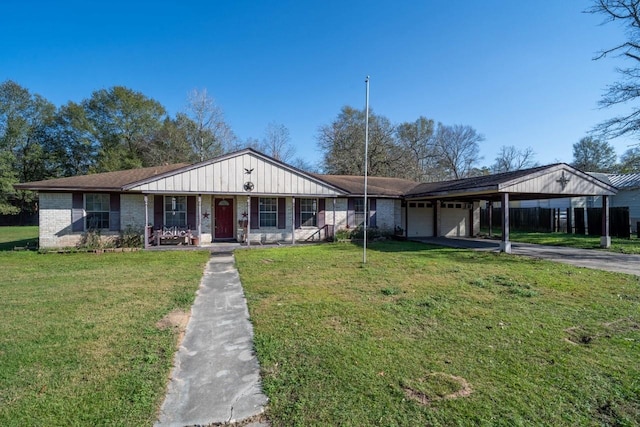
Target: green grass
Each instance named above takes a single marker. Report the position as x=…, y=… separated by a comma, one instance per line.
x=426, y=335
x=12, y=237
x=79, y=344
x=625, y=246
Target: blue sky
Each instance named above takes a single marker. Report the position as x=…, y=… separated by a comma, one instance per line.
x=519, y=72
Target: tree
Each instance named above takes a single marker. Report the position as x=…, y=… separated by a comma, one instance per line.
x=71, y=141
x=24, y=118
x=593, y=155
x=416, y=138
x=122, y=124
x=211, y=135
x=172, y=142
x=511, y=158
x=277, y=142
x=457, y=149
x=627, y=13
x=630, y=161
x=343, y=145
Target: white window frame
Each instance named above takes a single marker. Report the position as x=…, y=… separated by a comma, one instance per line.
x=175, y=213
x=97, y=205
x=308, y=212
x=268, y=212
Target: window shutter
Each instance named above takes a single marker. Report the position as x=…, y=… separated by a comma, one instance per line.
x=297, y=214
x=372, y=212
x=158, y=211
x=351, y=206
x=114, y=212
x=255, y=217
x=321, y=206
x=77, y=212
x=191, y=213
x=282, y=212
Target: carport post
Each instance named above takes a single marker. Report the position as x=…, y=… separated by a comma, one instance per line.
x=490, y=217
x=505, y=244
x=605, y=239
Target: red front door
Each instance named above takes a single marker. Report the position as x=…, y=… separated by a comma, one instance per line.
x=224, y=219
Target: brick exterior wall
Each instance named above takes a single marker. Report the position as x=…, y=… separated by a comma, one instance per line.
x=55, y=219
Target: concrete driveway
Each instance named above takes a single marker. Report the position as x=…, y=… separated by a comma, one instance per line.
x=589, y=258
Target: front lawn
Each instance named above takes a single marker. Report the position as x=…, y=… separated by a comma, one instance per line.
x=18, y=236
x=82, y=337
x=424, y=335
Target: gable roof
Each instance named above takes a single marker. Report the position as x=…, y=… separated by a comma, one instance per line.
x=228, y=173
x=521, y=184
x=106, y=181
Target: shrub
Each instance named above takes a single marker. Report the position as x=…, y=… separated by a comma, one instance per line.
x=131, y=238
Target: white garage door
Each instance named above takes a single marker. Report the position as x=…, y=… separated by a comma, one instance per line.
x=420, y=219
x=455, y=219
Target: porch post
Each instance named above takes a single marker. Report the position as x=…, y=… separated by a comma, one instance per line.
x=146, y=221
x=334, y=218
x=605, y=239
x=505, y=244
x=199, y=219
x=293, y=220
x=248, y=221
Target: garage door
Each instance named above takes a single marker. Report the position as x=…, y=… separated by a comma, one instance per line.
x=420, y=219
x=455, y=219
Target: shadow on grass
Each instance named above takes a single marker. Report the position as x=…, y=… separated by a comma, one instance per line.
x=24, y=244
x=406, y=246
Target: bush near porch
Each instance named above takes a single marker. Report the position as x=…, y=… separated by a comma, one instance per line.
x=426, y=335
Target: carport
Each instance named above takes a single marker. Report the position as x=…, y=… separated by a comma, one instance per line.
x=544, y=182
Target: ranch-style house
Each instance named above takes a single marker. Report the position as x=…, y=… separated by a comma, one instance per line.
x=247, y=196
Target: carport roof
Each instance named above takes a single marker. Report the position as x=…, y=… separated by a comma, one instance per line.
x=551, y=181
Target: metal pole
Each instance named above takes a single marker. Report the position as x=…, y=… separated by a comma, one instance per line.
x=366, y=167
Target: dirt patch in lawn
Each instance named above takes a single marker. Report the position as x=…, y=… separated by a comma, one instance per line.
x=583, y=335
x=436, y=386
x=176, y=320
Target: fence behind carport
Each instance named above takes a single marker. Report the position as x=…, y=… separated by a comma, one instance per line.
x=545, y=220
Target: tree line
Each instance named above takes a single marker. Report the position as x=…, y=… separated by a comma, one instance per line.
x=119, y=128
x=114, y=129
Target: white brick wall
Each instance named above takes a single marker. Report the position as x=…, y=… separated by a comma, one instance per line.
x=132, y=211
x=55, y=221
x=55, y=218
x=386, y=214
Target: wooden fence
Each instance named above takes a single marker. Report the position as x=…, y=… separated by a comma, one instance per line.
x=545, y=220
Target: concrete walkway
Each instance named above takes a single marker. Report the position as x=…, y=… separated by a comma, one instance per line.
x=216, y=377
x=589, y=258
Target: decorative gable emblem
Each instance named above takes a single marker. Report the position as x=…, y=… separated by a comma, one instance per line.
x=563, y=181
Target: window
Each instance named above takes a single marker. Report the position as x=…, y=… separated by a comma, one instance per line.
x=268, y=211
x=175, y=211
x=308, y=212
x=97, y=208
x=359, y=211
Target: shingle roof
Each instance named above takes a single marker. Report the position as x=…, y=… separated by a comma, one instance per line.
x=376, y=185
x=107, y=181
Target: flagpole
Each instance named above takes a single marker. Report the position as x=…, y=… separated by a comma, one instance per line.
x=366, y=167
